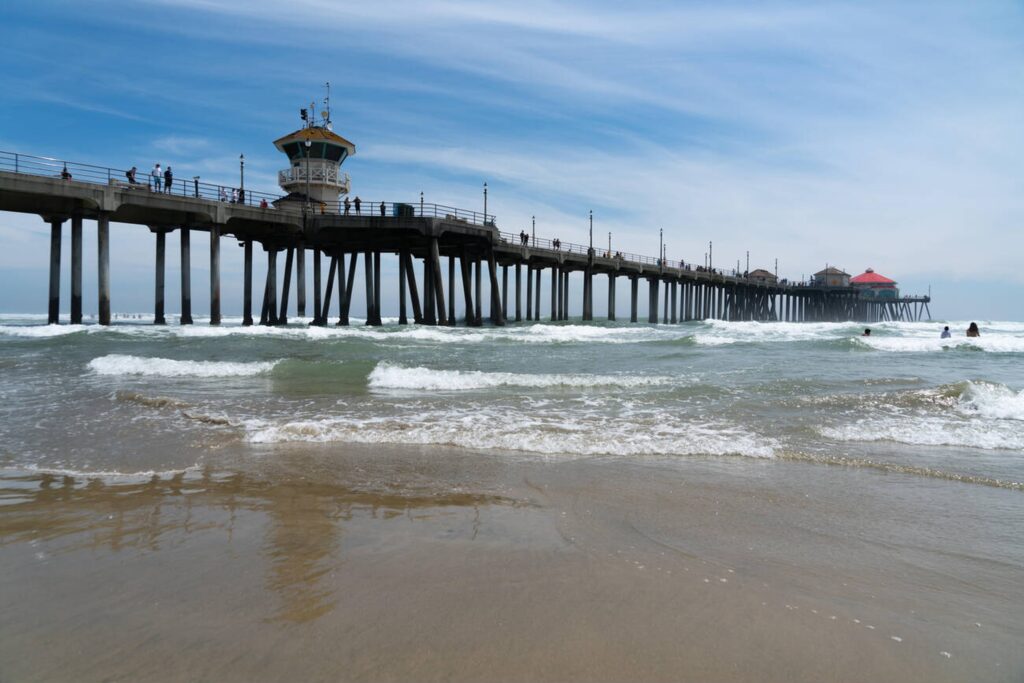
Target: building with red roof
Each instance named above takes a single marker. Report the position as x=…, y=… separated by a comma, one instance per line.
x=872, y=284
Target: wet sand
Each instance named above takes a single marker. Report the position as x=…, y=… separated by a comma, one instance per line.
x=429, y=564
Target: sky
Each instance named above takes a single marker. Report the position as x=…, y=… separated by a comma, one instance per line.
x=859, y=134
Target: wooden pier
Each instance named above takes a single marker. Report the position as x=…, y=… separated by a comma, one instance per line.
x=428, y=240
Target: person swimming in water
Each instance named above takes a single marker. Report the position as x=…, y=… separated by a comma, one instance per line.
x=972, y=330
x=945, y=333
x=867, y=332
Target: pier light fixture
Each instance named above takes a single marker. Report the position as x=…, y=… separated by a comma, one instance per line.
x=241, y=172
x=195, y=183
x=485, y=202
x=533, y=229
x=421, y=203
x=661, y=241
x=609, y=244
x=591, y=229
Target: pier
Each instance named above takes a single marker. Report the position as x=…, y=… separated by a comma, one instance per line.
x=443, y=254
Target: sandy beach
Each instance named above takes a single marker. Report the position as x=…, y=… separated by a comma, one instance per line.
x=377, y=564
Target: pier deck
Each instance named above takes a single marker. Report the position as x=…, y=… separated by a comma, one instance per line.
x=412, y=232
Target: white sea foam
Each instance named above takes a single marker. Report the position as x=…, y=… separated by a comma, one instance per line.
x=388, y=376
x=40, y=331
x=112, y=475
x=991, y=343
x=993, y=401
x=546, y=433
x=117, y=364
x=931, y=431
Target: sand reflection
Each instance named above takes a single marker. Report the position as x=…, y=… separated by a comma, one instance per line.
x=298, y=524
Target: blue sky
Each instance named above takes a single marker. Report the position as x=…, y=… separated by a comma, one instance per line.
x=859, y=134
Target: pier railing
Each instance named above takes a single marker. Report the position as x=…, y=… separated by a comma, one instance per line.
x=192, y=186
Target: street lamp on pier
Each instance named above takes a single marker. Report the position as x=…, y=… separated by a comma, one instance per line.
x=591, y=230
x=421, y=203
x=485, y=202
x=661, y=242
x=533, y=229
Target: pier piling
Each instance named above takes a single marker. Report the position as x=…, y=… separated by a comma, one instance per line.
x=53, y=315
x=186, y=276
x=76, y=269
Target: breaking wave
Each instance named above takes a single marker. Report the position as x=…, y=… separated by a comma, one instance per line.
x=123, y=365
x=657, y=434
x=388, y=376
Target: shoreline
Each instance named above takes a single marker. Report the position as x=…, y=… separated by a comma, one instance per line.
x=429, y=563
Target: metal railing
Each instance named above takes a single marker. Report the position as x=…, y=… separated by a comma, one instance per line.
x=192, y=187
x=140, y=180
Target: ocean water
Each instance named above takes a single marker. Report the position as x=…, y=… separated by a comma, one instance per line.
x=133, y=399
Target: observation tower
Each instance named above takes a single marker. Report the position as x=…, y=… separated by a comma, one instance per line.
x=315, y=155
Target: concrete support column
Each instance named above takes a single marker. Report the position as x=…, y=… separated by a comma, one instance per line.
x=536, y=294
x=466, y=267
x=247, y=285
x=674, y=319
x=652, y=311
x=271, y=293
x=556, y=288
x=588, y=300
x=326, y=306
x=529, y=292
x=435, y=258
x=300, y=280
x=429, y=315
x=403, y=318
x=103, y=257
x=451, y=290
x=161, y=260
x=479, y=294
x=664, y=314
x=346, y=283
x=319, y=314
x=286, y=286
x=368, y=270
x=376, y=288
x=634, y=286
x=519, y=291
x=611, y=297
x=497, y=296
x=76, y=270
x=215, y=275
x=504, y=292
x=186, y=275
x=53, y=314
x=565, y=297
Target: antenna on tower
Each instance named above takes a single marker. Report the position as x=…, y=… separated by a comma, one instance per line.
x=327, y=106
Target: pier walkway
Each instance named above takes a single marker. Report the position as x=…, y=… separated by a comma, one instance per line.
x=342, y=239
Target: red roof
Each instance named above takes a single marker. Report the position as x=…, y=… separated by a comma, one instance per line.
x=870, y=277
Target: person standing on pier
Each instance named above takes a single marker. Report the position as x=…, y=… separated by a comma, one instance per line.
x=168, y=180
x=157, y=178
x=348, y=204
x=382, y=209
x=358, y=204
x=65, y=174
x=130, y=175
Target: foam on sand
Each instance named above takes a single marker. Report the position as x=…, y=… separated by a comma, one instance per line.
x=124, y=365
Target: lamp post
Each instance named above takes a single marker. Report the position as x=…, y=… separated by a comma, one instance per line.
x=748, y=260
x=485, y=202
x=609, y=244
x=661, y=241
x=195, y=184
x=591, y=230
x=711, y=254
x=241, y=172
x=533, y=229
x=421, y=203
